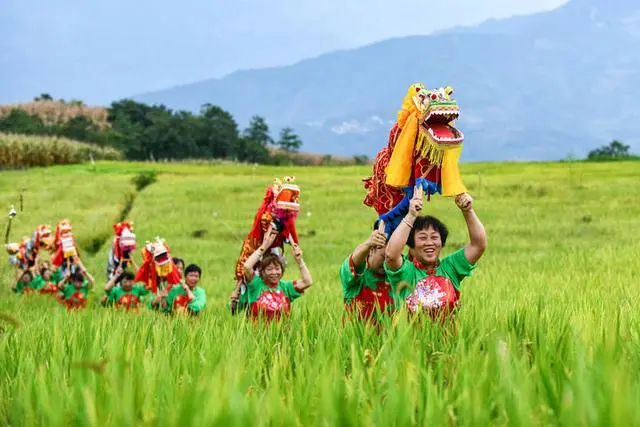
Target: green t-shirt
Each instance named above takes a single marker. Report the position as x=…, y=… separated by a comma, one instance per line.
x=38, y=283
x=117, y=292
x=56, y=276
x=365, y=290
x=355, y=278
x=454, y=267
x=21, y=286
x=256, y=287
x=196, y=306
x=70, y=289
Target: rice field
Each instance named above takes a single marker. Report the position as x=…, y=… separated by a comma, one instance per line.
x=549, y=333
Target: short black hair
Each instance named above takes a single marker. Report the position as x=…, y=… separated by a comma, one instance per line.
x=77, y=276
x=27, y=273
x=127, y=275
x=177, y=260
x=192, y=268
x=425, y=222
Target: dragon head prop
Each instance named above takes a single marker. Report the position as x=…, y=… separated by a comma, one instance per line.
x=157, y=266
x=424, y=148
x=43, y=237
x=64, y=243
x=125, y=240
x=280, y=208
x=124, y=244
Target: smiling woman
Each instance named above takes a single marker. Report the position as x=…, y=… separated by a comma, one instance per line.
x=426, y=283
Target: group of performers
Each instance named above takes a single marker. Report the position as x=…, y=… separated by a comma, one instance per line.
x=161, y=282
x=420, y=160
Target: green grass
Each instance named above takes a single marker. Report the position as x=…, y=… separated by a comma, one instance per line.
x=549, y=333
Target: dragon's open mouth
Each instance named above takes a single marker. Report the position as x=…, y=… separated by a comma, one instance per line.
x=438, y=123
x=162, y=258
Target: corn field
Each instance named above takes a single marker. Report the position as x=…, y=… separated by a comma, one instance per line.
x=20, y=151
x=57, y=112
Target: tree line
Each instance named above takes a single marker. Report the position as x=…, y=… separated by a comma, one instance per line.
x=147, y=132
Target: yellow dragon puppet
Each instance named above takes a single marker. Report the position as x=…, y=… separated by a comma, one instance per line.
x=423, y=150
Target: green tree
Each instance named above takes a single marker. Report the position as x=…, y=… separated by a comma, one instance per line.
x=289, y=141
x=219, y=133
x=615, y=150
x=19, y=121
x=258, y=132
x=43, y=97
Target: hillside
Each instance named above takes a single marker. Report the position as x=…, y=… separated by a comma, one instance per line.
x=530, y=87
x=548, y=315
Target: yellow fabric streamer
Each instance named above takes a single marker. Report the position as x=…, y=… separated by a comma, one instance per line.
x=400, y=167
x=452, y=184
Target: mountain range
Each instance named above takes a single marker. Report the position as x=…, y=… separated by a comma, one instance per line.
x=536, y=87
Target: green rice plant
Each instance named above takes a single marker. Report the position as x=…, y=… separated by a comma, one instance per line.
x=548, y=334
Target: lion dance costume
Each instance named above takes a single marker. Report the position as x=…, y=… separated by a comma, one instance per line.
x=279, y=209
x=423, y=150
x=65, y=247
x=158, y=271
x=124, y=243
x=24, y=254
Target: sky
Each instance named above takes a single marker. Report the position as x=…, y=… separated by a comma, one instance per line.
x=99, y=51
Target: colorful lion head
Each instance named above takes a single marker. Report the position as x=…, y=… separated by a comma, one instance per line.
x=157, y=265
x=286, y=195
x=43, y=237
x=125, y=242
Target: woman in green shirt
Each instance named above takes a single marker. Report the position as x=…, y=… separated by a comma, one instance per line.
x=266, y=294
x=426, y=283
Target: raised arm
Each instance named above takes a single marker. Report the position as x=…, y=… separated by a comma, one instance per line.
x=377, y=239
x=112, y=282
x=393, y=252
x=306, y=281
x=477, y=234
x=85, y=273
x=251, y=262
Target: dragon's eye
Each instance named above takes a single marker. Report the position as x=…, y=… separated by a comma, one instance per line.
x=434, y=96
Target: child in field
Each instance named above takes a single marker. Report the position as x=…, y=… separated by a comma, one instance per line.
x=428, y=284
x=127, y=294
x=365, y=287
x=266, y=294
x=74, y=288
x=188, y=296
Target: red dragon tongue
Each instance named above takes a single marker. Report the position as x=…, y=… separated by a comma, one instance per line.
x=441, y=130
